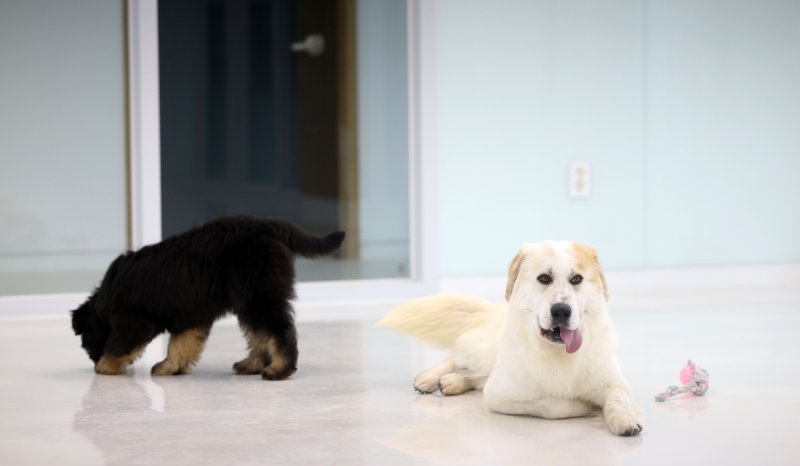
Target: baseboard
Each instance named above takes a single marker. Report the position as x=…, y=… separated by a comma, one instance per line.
x=317, y=301
x=51, y=305
x=60, y=305
x=349, y=301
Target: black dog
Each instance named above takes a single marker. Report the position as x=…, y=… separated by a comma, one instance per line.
x=183, y=284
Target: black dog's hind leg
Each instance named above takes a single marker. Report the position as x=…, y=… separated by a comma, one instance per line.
x=183, y=352
x=258, y=354
x=282, y=347
x=271, y=341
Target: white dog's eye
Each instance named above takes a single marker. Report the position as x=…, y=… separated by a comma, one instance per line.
x=545, y=279
x=576, y=279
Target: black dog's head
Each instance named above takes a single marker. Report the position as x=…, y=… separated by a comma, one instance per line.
x=87, y=321
x=92, y=330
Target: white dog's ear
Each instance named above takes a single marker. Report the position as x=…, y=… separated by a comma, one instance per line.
x=589, y=254
x=602, y=281
x=513, y=271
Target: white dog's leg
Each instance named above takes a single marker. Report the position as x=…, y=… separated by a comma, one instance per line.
x=623, y=416
x=456, y=383
x=548, y=408
x=428, y=381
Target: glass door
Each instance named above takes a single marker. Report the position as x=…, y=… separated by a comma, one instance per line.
x=294, y=110
x=63, y=179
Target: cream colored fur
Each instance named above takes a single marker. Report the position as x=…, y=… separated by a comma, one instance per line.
x=440, y=320
x=500, y=347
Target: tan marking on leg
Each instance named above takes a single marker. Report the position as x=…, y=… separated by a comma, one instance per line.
x=278, y=366
x=257, y=353
x=116, y=365
x=184, y=351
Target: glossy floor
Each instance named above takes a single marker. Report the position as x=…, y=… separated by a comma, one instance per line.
x=351, y=401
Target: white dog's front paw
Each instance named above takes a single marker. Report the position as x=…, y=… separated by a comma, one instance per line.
x=623, y=416
x=453, y=384
x=623, y=423
x=426, y=382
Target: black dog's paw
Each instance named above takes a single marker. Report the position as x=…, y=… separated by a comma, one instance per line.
x=277, y=374
x=248, y=366
x=167, y=368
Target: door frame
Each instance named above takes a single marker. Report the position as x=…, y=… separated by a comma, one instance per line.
x=423, y=225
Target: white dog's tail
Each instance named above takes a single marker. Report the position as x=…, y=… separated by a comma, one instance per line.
x=439, y=320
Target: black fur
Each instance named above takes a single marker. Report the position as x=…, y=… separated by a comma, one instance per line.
x=237, y=264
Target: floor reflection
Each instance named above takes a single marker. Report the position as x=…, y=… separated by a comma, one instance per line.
x=215, y=417
x=463, y=432
x=688, y=405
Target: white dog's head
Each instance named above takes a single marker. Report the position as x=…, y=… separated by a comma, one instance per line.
x=558, y=282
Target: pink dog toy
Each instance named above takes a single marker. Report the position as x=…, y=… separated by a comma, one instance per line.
x=694, y=379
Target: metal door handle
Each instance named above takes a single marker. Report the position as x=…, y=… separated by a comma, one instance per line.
x=313, y=44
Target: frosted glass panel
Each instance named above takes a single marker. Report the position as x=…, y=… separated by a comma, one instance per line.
x=62, y=144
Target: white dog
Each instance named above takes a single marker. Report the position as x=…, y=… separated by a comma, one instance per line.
x=548, y=353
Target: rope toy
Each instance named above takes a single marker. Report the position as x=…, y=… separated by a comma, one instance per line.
x=694, y=379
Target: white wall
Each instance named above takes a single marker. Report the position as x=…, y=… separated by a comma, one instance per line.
x=723, y=132
x=686, y=110
x=62, y=137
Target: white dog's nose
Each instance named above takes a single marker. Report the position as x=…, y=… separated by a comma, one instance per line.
x=560, y=313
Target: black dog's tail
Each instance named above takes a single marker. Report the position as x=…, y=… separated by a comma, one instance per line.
x=306, y=245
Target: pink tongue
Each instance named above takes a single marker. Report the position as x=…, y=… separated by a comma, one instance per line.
x=572, y=339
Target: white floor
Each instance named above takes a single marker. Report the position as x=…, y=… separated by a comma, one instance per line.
x=351, y=401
